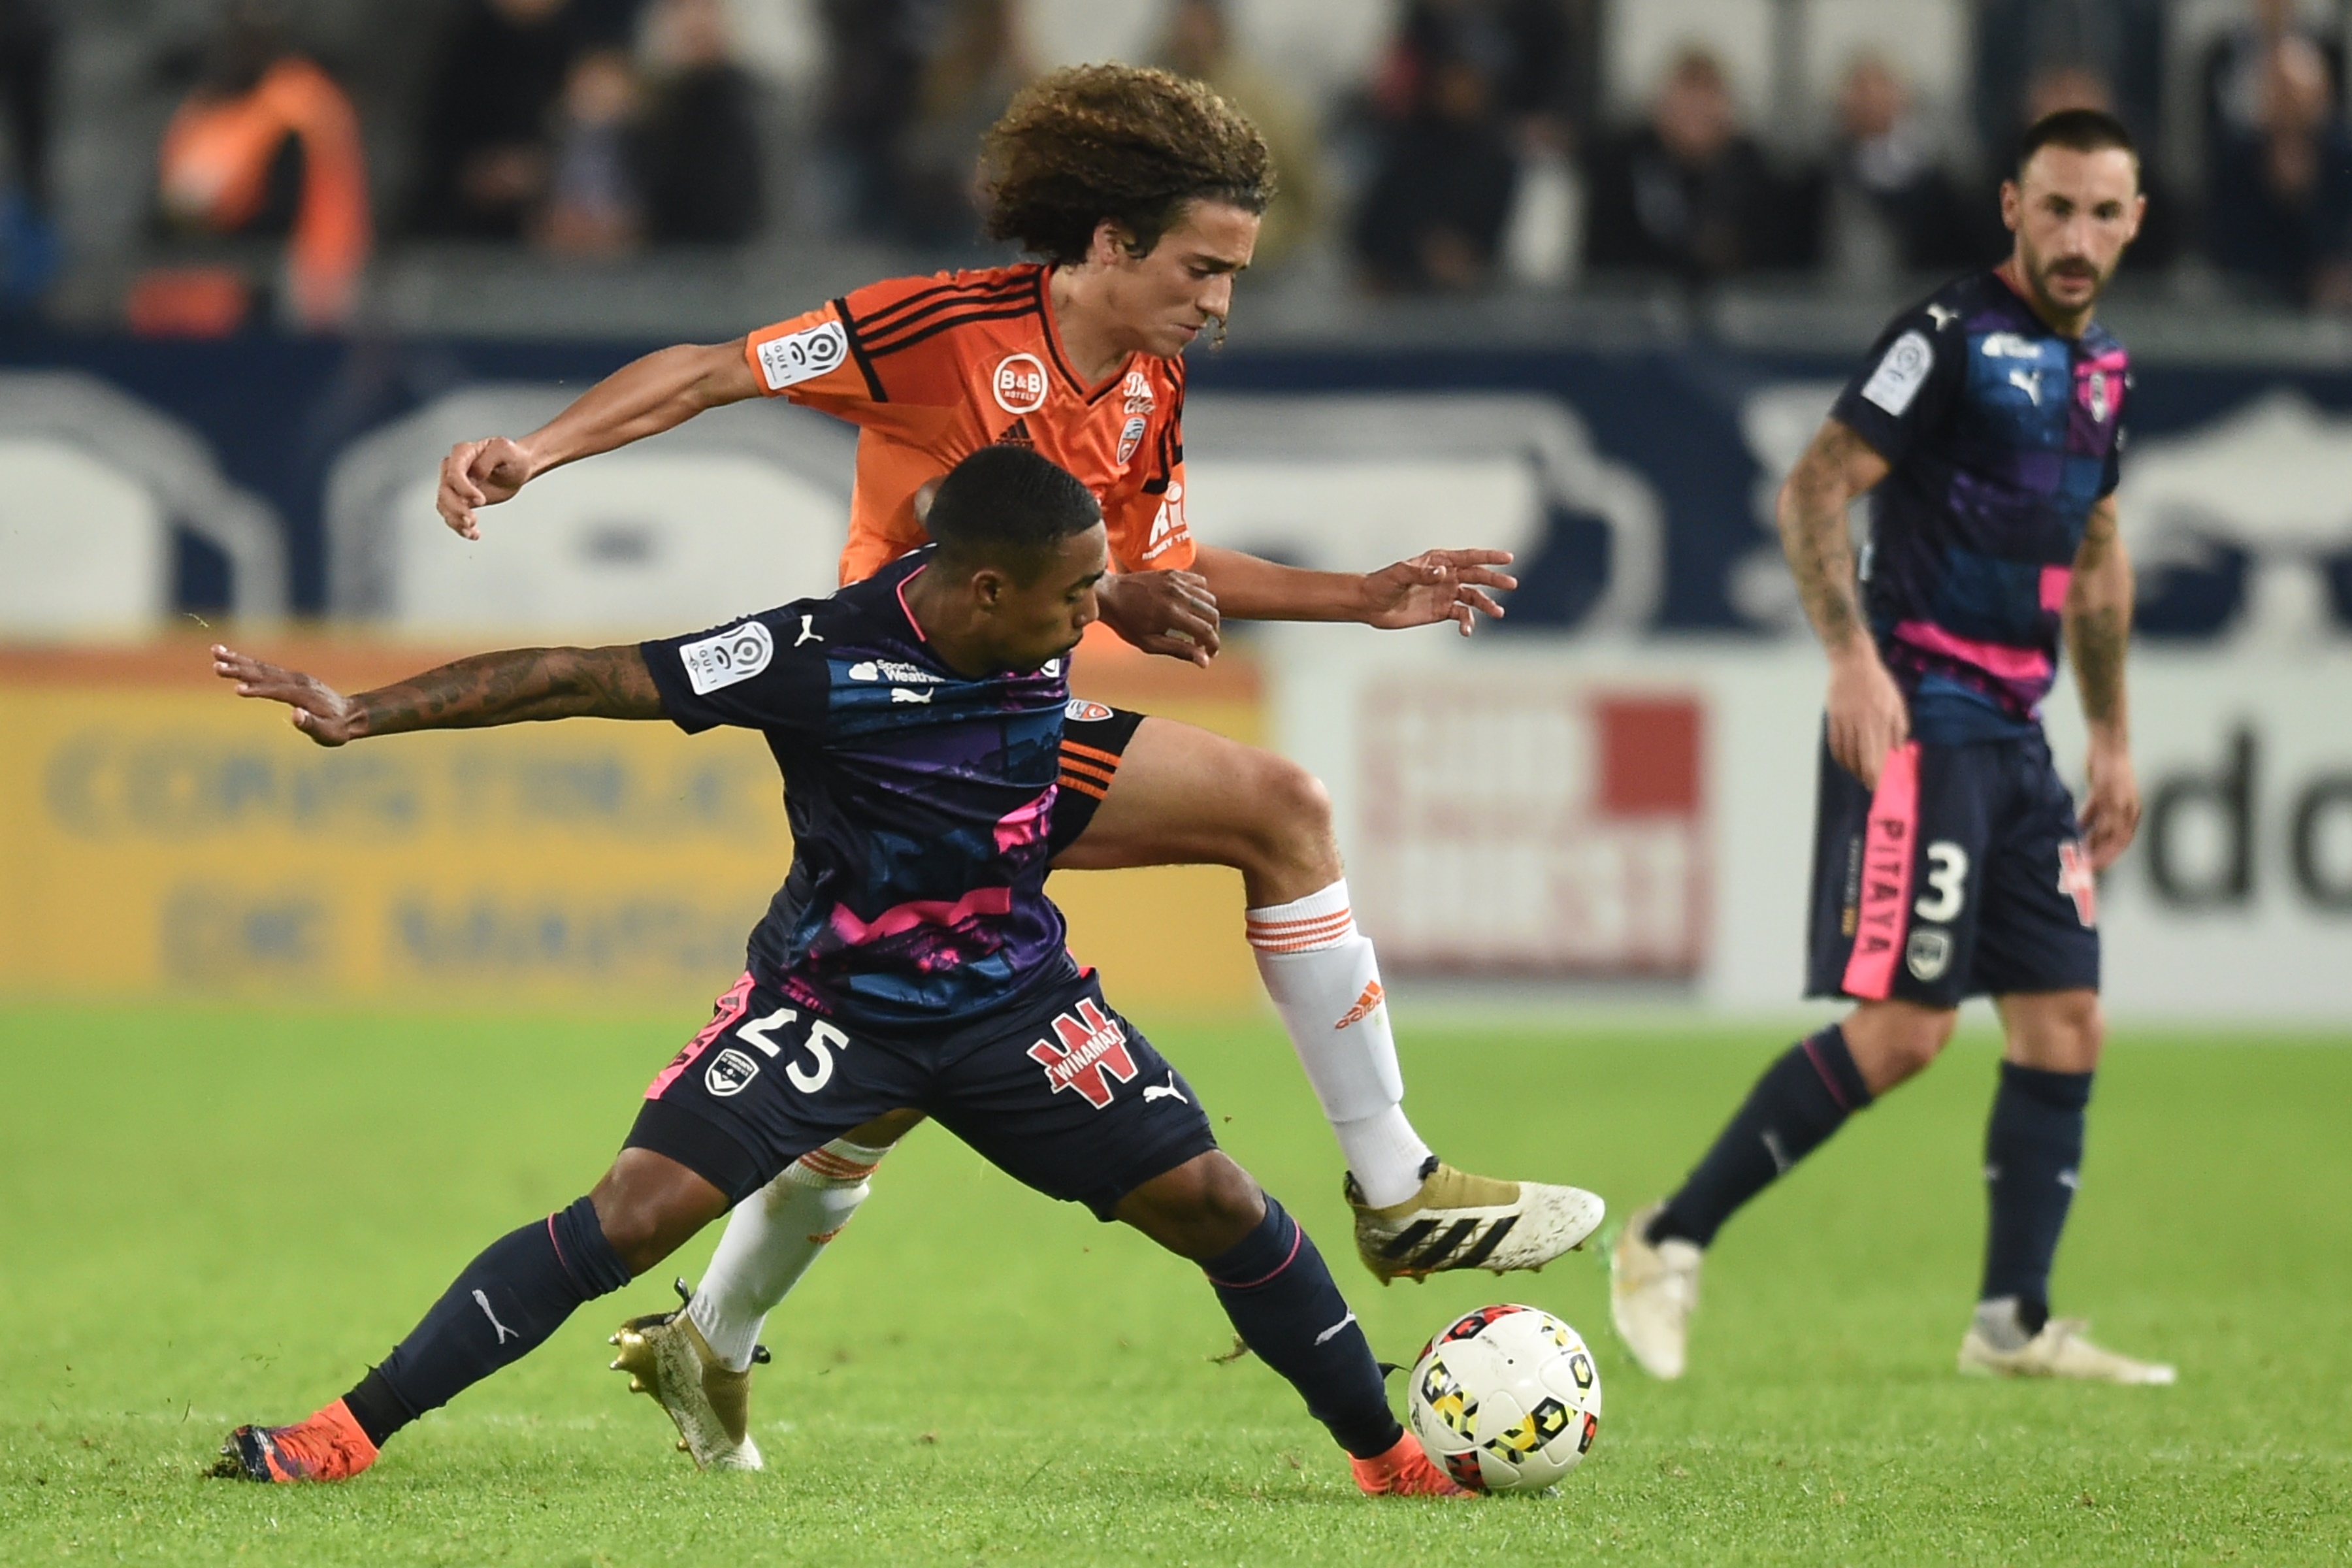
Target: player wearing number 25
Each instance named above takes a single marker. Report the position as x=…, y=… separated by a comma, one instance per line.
x=1949, y=861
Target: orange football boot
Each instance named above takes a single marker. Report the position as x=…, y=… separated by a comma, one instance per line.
x=1404, y=1471
x=329, y=1446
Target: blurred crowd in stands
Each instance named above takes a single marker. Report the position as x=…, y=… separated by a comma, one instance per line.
x=1480, y=152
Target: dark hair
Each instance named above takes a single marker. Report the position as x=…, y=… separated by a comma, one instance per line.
x=1123, y=142
x=1007, y=507
x=2079, y=130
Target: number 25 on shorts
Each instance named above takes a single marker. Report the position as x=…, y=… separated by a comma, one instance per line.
x=822, y=1041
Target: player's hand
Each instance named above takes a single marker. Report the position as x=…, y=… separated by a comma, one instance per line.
x=1866, y=713
x=322, y=712
x=1437, y=586
x=1168, y=613
x=478, y=474
x=2111, y=806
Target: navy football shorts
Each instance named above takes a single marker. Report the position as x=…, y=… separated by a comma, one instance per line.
x=1063, y=1095
x=1964, y=876
x=1094, y=737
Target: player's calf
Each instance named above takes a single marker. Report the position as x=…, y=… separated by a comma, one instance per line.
x=1283, y=1302
x=504, y=1305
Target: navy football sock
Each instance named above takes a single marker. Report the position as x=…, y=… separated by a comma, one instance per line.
x=2034, y=1147
x=502, y=1308
x=1800, y=1100
x=1286, y=1307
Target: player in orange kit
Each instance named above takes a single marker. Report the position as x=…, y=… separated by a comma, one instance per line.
x=1141, y=192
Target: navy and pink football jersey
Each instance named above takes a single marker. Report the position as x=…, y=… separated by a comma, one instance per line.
x=2000, y=436
x=919, y=801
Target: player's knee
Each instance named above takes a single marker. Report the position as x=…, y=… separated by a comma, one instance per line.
x=1290, y=818
x=648, y=1204
x=1892, y=1042
x=2060, y=1033
x=1203, y=1208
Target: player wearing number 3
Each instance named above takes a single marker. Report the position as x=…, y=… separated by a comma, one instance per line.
x=1949, y=861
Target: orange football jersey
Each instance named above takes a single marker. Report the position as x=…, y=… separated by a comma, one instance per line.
x=932, y=369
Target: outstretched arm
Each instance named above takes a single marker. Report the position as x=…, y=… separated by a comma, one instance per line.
x=1866, y=715
x=644, y=397
x=2098, y=628
x=512, y=688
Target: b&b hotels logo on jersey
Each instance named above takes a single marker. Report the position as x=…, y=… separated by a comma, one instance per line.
x=738, y=654
x=1084, y=1049
x=1019, y=383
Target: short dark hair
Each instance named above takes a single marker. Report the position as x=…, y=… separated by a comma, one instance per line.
x=1129, y=143
x=2079, y=130
x=1007, y=507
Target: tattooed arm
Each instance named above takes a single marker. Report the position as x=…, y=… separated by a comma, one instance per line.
x=489, y=689
x=1866, y=716
x=2098, y=628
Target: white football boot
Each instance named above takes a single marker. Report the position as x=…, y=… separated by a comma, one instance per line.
x=1652, y=1291
x=1460, y=1221
x=666, y=1356
x=1996, y=1346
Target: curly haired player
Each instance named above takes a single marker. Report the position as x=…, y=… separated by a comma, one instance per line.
x=1141, y=191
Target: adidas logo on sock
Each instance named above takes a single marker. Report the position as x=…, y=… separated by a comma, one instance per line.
x=1366, y=1006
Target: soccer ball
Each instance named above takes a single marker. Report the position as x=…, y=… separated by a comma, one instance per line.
x=1506, y=1398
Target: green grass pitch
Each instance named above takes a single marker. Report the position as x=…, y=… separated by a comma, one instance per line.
x=215, y=1214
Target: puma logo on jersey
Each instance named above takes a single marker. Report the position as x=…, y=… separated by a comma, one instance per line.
x=1366, y=1006
x=1168, y=1090
x=808, y=631
x=1942, y=315
x=900, y=694
x=2031, y=381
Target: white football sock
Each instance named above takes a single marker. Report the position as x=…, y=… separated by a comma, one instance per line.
x=770, y=1241
x=1326, y=983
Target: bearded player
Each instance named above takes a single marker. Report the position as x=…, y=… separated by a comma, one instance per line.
x=1141, y=192
x=1949, y=860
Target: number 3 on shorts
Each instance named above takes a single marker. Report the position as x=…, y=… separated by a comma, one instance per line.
x=1948, y=876
x=823, y=1040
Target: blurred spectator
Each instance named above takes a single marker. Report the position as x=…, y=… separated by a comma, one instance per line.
x=2280, y=213
x=966, y=86
x=1434, y=215
x=28, y=237
x=703, y=179
x=2238, y=61
x=1200, y=44
x=876, y=51
x=594, y=207
x=485, y=162
x=2119, y=44
x=2079, y=87
x=1688, y=192
x=1891, y=206
x=1541, y=57
x=264, y=145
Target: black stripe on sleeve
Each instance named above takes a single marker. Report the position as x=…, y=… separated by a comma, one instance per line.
x=949, y=323
x=858, y=351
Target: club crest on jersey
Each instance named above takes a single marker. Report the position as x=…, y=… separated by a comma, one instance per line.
x=1137, y=389
x=2099, y=395
x=1927, y=955
x=1078, y=710
x=1088, y=1050
x=734, y=655
x=729, y=1072
x=1019, y=383
x=1131, y=437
